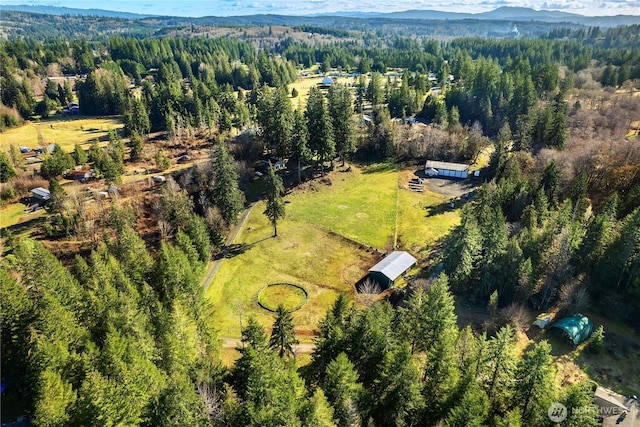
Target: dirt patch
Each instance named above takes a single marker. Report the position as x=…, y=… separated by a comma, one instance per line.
x=343, y=207
x=361, y=215
x=451, y=187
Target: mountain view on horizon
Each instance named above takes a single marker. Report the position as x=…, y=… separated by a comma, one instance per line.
x=502, y=13
x=320, y=213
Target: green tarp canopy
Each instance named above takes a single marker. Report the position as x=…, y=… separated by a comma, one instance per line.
x=577, y=327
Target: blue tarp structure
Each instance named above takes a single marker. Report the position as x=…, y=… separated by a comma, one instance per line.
x=577, y=327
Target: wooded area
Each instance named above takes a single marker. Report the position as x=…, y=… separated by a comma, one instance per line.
x=118, y=331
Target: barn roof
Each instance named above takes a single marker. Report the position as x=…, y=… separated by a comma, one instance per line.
x=604, y=397
x=446, y=165
x=42, y=193
x=578, y=327
x=394, y=265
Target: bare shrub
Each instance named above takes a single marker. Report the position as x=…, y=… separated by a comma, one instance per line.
x=26, y=183
x=213, y=403
x=514, y=315
x=368, y=291
x=421, y=283
x=573, y=296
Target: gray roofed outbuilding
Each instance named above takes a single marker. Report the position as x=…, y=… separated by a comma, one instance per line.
x=41, y=193
x=446, y=165
x=392, y=267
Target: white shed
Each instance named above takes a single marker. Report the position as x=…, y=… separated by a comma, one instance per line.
x=447, y=169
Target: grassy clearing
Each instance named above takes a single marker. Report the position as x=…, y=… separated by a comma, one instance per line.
x=14, y=214
x=305, y=84
x=360, y=205
x=423, y=218
x=66, y=131
x=290, y=297
x=323, y=263
x=318, y=245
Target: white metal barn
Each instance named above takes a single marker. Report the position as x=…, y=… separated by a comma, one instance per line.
x=446, y=169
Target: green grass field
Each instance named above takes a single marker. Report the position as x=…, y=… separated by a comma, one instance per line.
x=315, y=246
x=274, y=295
x=302, y=254
x=423, y=218
x=360, y=205
x=305, y=84
x=66, y=131
x=14, y=214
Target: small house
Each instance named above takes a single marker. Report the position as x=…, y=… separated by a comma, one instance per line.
x=326, y=82
x=446, y=169
x=81, y=175
x=41, y=194
x=576, y=329
x=391, y=267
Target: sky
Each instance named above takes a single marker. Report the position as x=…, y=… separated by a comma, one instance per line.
x=198, y=8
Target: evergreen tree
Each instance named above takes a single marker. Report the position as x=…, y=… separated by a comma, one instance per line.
x=226, y=193
x=299, y=142
x=162, y=161
x=397, y=390
x=374, y=90
x=381, y=133
x=283, y=337
x=79, y=155
x=6, y=168
x=55, y=401
x=342, y=388
x=581, y=410
x=556, y=133
x=341, y=113
x=533, y=390
x=463, y=254
x=56, y=163
x=501, y=368
x=472, y=411
x=274, y=203
x=321, y=140
x=137, y=146
x=316, y=412
x=275, y=117
x=441, y=370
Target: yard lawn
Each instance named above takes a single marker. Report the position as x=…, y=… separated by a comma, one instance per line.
x=320, y=243
x=359, y=205
x=14, y=214
x=423, y=218
x=303, y=254
x=304, y=84
x=66, y=131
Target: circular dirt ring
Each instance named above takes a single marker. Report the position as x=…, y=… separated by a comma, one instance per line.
x=293, y=297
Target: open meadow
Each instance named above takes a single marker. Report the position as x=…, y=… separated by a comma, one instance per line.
x=63, y=130
x=335, y=230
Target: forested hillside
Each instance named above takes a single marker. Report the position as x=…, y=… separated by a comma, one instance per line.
x=104, y=318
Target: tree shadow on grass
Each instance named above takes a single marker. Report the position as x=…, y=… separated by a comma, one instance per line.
x=439, y=209
x=235, y=249
x=379, y=167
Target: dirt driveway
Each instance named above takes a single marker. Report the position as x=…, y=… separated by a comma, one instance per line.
x=451, y=187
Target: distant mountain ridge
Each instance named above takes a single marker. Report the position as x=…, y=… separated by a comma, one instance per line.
x=504, y=13
x=59, y=10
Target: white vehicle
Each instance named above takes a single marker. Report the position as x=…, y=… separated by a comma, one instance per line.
x=431, y=172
